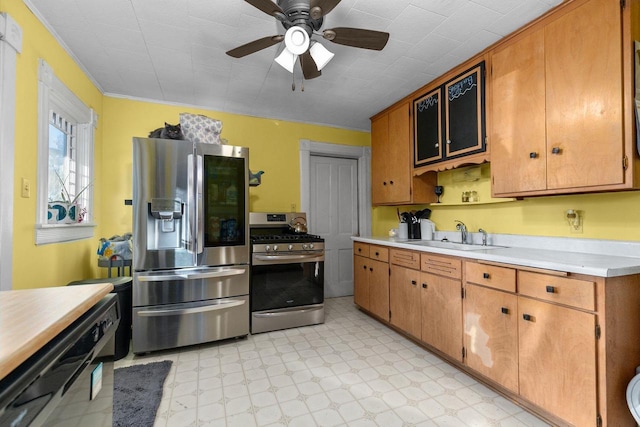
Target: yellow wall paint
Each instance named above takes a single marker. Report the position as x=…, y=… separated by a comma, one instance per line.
x=611, y=216
x=273, y=148
x=53, y=264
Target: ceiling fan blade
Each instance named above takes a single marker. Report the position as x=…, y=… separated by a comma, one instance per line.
x=319, y=8
x=254, y=46
x=356, y=37
x=309, y=67
x=267, y=6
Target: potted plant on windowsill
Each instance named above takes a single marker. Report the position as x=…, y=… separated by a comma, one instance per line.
x=67, y=210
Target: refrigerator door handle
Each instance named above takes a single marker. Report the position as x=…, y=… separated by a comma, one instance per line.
x=223, y=273
x=191, y=276
x=199, y=204
x=193, y=310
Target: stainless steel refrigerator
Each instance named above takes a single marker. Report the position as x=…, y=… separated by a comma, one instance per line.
x=191, y=248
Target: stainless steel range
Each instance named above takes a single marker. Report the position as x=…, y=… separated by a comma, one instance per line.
x=287, y=272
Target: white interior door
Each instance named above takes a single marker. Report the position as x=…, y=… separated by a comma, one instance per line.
x=334, y=203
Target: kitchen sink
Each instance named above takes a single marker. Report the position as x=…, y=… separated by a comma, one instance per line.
x=452, y=245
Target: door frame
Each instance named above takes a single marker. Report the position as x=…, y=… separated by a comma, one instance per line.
x=10, y=46
x=310, y=148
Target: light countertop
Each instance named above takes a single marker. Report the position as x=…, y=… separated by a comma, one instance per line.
x=595, y=264
x=30, y=318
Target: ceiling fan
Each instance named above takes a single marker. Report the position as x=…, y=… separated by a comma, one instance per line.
x=302, y=19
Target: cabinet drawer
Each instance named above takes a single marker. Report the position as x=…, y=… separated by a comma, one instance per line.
x=573, y=292
x=490, y=275
x=442, y=265
x=361, y=249
x=406, y=258
x=379, y=252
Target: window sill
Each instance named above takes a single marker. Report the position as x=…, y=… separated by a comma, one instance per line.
x=57, y=233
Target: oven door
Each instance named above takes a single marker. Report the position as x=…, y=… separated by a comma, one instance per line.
x=286, y=280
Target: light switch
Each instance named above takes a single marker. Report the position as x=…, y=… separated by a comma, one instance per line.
x=26, y=188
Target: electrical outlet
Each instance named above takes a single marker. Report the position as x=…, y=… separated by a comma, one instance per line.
x=26, y=188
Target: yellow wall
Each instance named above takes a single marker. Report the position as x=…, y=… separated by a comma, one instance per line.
x=611, y=216
x=273, y=148
x=54, y=264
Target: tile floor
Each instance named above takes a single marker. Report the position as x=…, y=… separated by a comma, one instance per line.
x=351, y=370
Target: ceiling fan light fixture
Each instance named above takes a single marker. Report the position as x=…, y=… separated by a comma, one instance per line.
x=296, y=40
x=287, y=60
x=321, y=55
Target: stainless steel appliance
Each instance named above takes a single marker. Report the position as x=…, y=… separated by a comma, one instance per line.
x=191, y=253
x=68, y=381
x=287, y=272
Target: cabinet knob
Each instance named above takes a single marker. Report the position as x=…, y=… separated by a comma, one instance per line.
x=377, y=253
x=485, y=275
x=359, y=249
x=384, y=183
x=527, y=317
x=551, y=289
x=533, y=155
x=437, y=145
x=390, y=182
x=364, y=266
x=413, y=282
x=556, y=150
x=424, y=285
x=504, y=310
x=448, y=141
x=370, y=268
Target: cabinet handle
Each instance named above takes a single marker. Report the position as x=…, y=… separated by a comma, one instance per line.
x=504, y=310
x=555, y=150
x=533, y=155
x=485, y=275
x=527, y=317
x=413, y=282
x=551, y=289
x=424, y=286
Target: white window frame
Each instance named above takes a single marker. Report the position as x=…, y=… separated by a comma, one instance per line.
x=54, y=95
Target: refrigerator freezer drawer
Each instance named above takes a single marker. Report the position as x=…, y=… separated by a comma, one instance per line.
x=177, y=325
x=188, y=285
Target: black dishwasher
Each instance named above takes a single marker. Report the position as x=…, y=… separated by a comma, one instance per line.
x=68, y=381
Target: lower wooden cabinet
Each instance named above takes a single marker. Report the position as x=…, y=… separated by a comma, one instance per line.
x=441, y=302
x=557, y=353
x=371, y=280
x=491, y=334
x=563, y=345
x=404, y=299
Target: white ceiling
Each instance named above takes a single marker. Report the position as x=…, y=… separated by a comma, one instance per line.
x=174, y=51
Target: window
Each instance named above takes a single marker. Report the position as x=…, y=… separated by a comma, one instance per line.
x=65, y=162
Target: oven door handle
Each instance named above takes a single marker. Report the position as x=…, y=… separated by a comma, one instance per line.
x=313, y=257
x=193, y=276
x=287, y=312
x=194, y=310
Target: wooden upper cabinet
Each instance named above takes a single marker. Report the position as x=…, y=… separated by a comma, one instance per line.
x=391, y=179
x=557, y=105
x=584, y=97
x=449, y=120
x=518, y=153
x=391, y=158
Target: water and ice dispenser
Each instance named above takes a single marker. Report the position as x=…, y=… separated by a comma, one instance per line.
x=165, y=224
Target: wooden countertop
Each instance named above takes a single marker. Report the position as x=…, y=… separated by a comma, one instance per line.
x=32, y=317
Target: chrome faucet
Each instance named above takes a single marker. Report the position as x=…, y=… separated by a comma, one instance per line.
x=484, y=236
x=463, y=230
